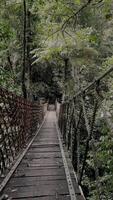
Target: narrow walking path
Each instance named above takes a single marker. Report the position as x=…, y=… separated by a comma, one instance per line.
x=41, y=174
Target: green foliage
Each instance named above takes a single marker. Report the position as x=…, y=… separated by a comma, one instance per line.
x=8, y=81
x=69, y=50
x=10, y=51
x=86, y=41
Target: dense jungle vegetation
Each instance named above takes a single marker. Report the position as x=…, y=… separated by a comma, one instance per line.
x=54, y=48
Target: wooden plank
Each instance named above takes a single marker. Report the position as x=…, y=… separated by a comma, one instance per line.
x=48, y=136
x=24, y=166
x=38, y=165
x=36, y=172
x=34, y=181
x=44, y=145
x=43, y=150
x=37, y=191
x=33, y=154
x=43, y=162
x=47, y=140
x=43, y=155
x=59, y=197
x=49, y=143
x=40, y=178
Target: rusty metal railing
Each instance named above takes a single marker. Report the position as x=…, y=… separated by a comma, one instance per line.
x=19, y=120
x=79, y=121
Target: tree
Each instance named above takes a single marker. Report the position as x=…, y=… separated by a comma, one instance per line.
x=65, y=45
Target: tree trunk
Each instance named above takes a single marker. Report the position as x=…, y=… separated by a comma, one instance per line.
x=24, y=52
x=28, y=53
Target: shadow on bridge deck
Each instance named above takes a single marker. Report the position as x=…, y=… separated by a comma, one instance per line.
x=43, y=173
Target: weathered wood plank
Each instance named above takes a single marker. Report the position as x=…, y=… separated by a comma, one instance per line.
x=44, y=145
x=37, y=179
x=34, y=181
x=43, y=155
x=39, y=172
x=40, y=166
x=37, y=191
x=43, y=162
x=59, y=197
x=43, y=150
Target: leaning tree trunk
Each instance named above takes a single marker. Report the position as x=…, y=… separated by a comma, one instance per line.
x=24, y=52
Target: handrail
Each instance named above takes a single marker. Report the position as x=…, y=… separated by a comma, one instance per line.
x=19, y=120
x=78, y=125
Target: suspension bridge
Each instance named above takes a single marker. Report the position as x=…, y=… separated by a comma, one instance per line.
x=33, y=162
x=40, y=148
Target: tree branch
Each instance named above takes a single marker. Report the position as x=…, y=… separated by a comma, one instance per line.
x=75, y=14
x=63, y=27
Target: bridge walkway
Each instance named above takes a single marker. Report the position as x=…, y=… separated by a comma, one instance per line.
x=44, y=173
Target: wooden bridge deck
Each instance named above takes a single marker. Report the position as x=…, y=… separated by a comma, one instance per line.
x=42, y=173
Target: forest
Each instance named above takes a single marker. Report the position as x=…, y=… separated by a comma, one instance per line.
x=53, y=49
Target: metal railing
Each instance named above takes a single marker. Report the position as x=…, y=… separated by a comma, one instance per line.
x=78, y=123
x=19, y=119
